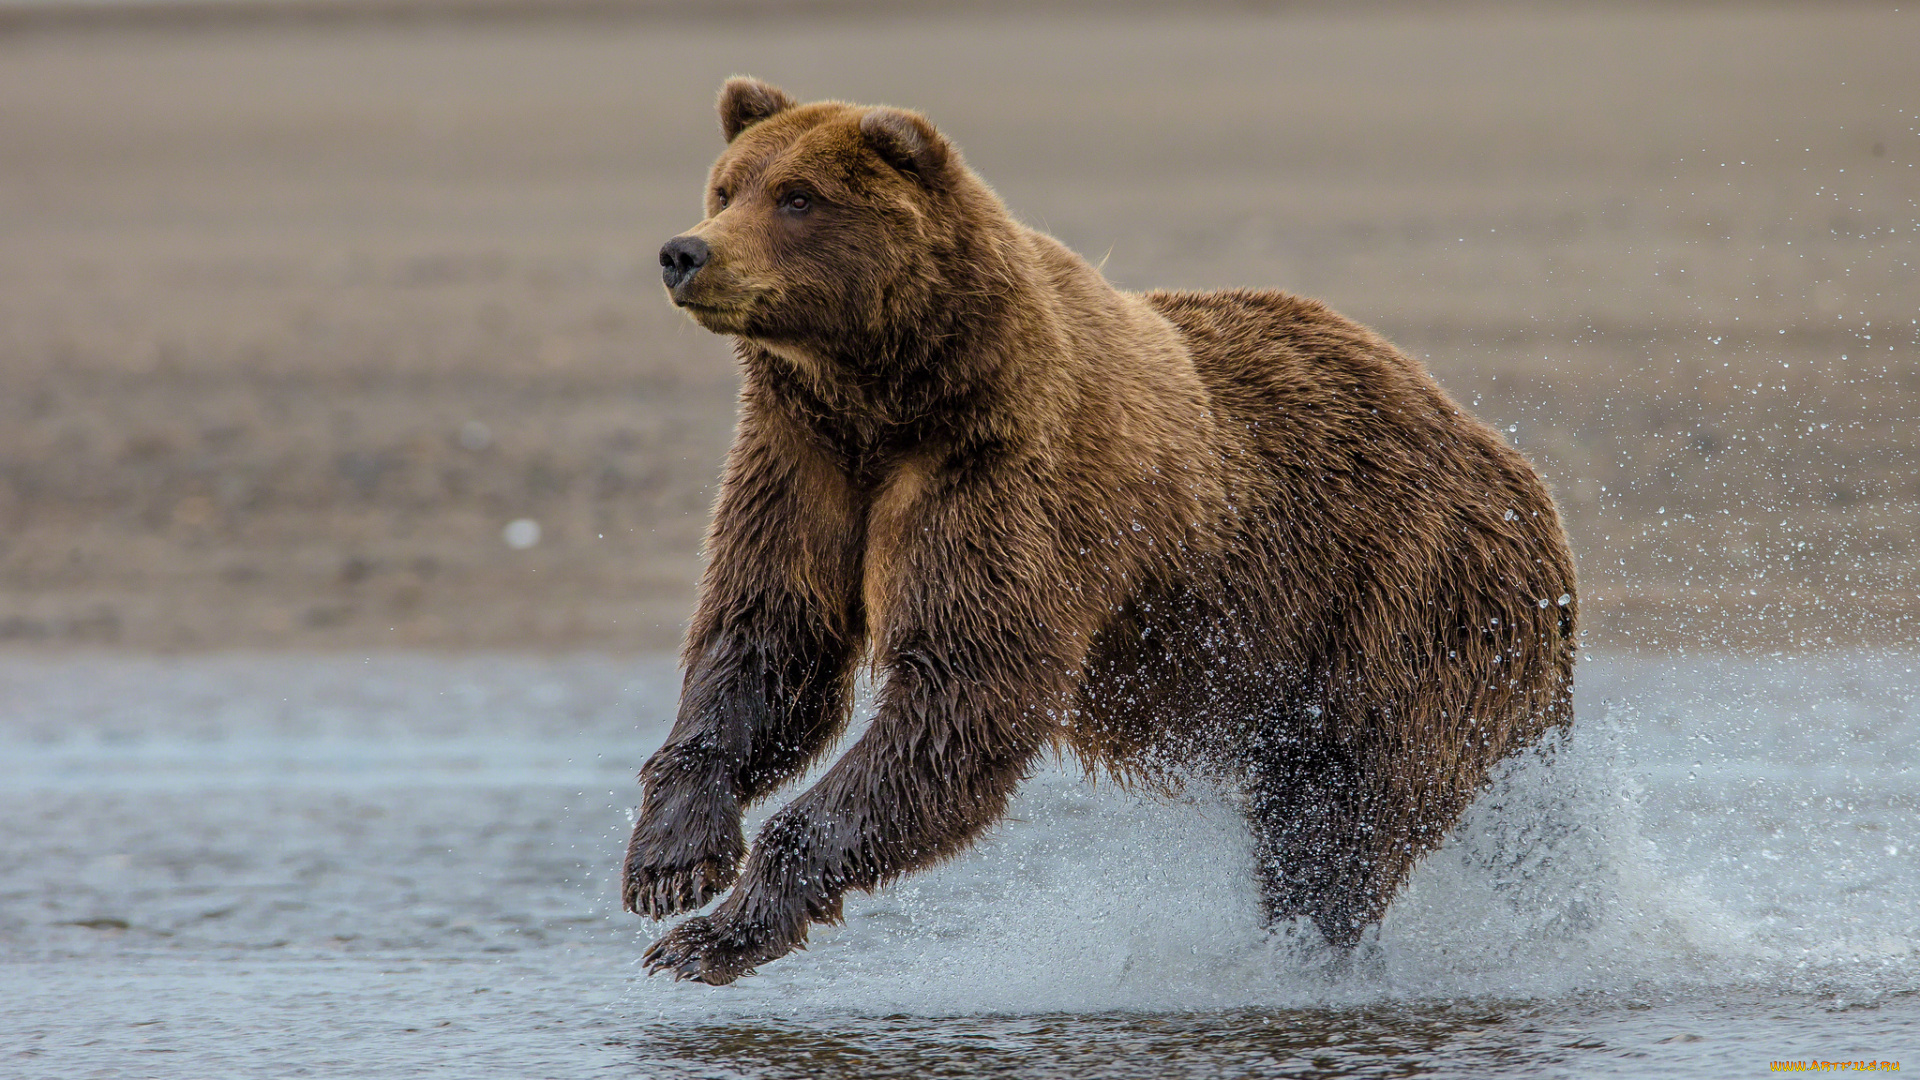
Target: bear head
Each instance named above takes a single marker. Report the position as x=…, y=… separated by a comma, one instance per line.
x=835, y=232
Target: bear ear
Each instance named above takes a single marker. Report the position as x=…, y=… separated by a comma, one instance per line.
x=745, y=102
x=909, y=143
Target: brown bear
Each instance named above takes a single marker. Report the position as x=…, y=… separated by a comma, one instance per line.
x=1227, y=535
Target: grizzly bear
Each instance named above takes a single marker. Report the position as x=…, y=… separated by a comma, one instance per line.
x=1225, y=536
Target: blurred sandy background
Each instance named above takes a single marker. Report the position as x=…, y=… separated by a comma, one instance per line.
x=298, y=311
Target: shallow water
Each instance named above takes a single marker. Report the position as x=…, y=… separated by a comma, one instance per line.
x=329, y=867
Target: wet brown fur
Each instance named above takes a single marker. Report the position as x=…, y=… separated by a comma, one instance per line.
x=1231, y=534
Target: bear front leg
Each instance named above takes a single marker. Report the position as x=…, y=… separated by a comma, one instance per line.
x=748, y=720
x=940, y=763
x=687, y=844
x=769, y=670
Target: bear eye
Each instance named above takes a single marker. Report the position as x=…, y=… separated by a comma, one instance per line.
x=798, y=200
x=720, y=196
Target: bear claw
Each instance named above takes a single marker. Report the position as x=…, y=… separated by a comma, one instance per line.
x=696, y=950
x=661, y=893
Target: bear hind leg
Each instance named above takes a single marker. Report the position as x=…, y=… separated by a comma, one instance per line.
x=1316, y=850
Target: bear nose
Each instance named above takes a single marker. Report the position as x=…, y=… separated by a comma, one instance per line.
x=681, y=258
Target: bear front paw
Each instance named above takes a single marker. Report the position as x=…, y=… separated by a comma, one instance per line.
x=707, y=951
x=658, y=891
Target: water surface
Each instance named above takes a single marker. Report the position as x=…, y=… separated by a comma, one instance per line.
x=405, y=865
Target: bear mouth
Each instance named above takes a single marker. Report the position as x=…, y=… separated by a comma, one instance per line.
x=720, y=318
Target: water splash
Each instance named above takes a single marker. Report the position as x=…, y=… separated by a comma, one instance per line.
x=1579, y=871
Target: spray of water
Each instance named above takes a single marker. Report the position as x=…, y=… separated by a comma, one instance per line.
x=1607, y=861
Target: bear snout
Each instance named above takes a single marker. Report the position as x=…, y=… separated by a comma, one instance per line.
x=680, y=259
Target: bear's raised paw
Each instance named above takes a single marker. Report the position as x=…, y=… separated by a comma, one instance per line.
x=659, y=892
